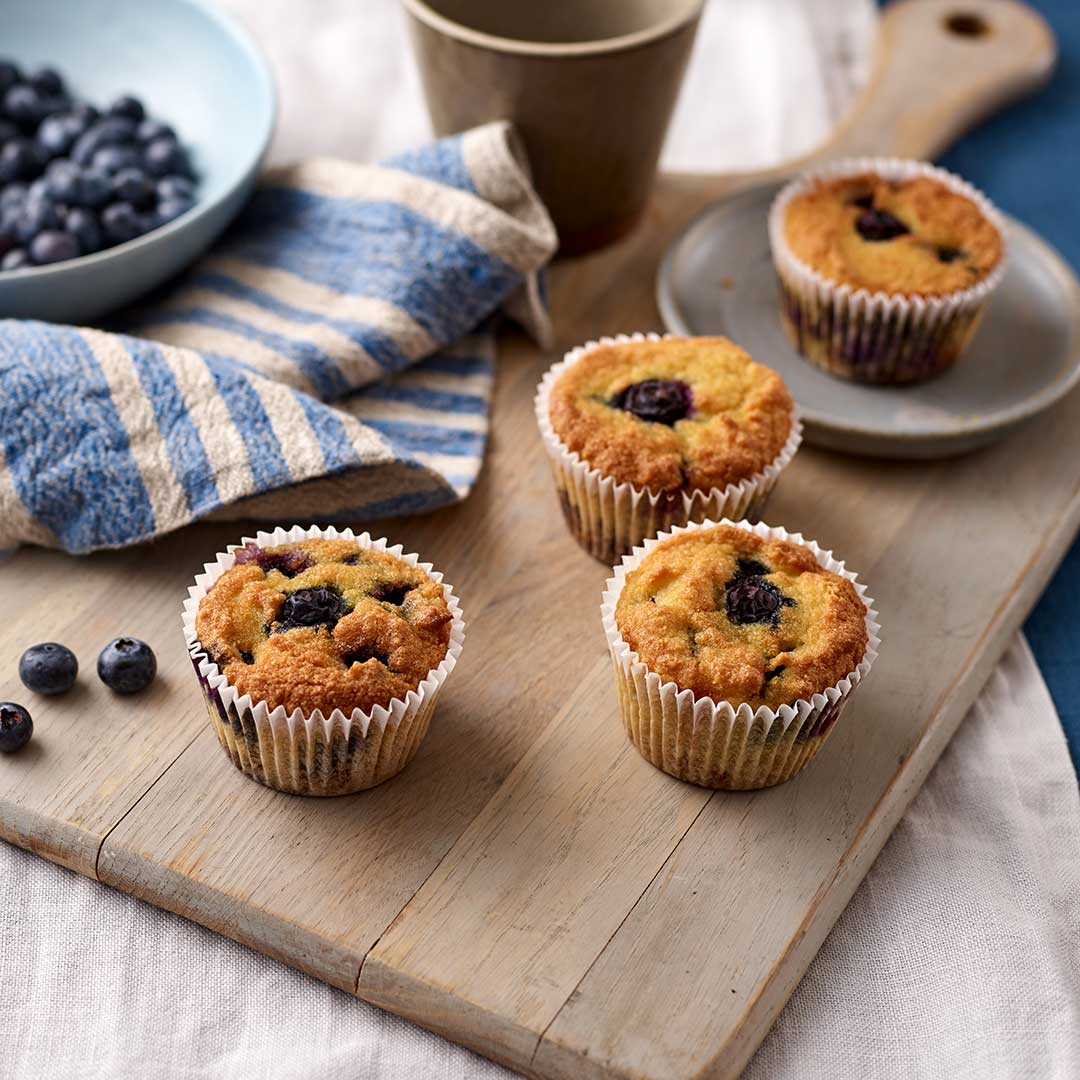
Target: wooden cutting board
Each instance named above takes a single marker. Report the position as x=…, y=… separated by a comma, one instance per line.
x=530, y=886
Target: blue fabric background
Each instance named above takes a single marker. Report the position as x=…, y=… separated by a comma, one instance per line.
x=1027, y=159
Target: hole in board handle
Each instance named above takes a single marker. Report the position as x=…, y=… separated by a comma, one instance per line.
x=966, y=24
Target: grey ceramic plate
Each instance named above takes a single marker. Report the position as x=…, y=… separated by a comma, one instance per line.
x=717, y=278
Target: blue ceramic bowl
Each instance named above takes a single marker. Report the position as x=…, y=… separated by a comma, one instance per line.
x=194, y=69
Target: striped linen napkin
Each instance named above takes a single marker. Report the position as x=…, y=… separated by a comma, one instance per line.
x=331, y=358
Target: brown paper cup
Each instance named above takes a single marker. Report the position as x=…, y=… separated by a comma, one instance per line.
x=876, y=337
x=312, y=754
x=713, y=743
x=609, y=518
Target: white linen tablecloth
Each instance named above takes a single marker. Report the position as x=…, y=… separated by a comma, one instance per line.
x=960, y=953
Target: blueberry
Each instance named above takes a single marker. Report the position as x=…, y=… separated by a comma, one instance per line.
x=52, y=246
x=95, y=189
x=175, y=187
x=57, y=134
x=34, y=216
x=48, y=668
x=38, y=191
x=15, y=259
x=164, y=156
x=363, y=655
x=129, y=107
x=24, y=105
x=47, y=82
x=120, y=222
x=947, y=254
x=290, y=562
x=318, y=606
x=16, y=727
x=149, y=130
x=63, y=181
x=131, y=185
x=18, y=161
x=753, y=600
x=112, y=159
x=390, y=594
x=85, y=114
x=7, y=131
x=127, y=665
x=112, y=131
x=83, y=225
x=12, y=194
x=864, y=201
x=660, y=401
x=877, y=225
x=9, y=75
x=7, y=242
x=168, y=209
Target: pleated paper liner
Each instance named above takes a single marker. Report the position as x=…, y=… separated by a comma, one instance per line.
x=312, y=754
x=609, y=519
x=876, y=337
x=713, y=743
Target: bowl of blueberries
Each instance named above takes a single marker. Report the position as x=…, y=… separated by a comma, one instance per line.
x=131, y=134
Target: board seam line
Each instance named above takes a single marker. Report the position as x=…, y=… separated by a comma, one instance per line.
x=150, y=787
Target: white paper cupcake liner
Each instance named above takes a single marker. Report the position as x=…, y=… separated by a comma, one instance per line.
x=876, y=337
x=609, y=518
x=312, y=754
x=713, y=743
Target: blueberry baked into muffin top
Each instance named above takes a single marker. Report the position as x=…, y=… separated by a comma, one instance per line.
x=731, y=616
x=324, y=624
x=672, y=414
x=917, y=237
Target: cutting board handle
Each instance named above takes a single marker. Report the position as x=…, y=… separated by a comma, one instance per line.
x=942, y=66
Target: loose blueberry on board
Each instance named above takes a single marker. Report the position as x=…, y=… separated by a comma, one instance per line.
x=127, y=665
x=661, y=401
x=318, y=606
x=878, y=225
x=16, y=727
x=48, y=668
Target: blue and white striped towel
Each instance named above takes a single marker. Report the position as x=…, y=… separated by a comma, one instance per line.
x=331, y=359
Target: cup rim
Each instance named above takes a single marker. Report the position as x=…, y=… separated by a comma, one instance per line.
x=424, y=13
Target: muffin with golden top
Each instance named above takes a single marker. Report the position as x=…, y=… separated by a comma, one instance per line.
x=645, y=432
x=885, y=267
x=321, y=657
x=735, y=648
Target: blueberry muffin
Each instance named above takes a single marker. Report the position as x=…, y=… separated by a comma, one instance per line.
x=322, y=624
x=330, y=639
x=856, y=247
x=753, y=625
x=659, y=431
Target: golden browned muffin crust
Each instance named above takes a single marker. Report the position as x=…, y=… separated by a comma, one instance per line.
x=916, y=237
x=721, y=417
x=731, y=616
x=324, y=624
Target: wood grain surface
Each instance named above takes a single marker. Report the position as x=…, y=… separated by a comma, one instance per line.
x=529, y=886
